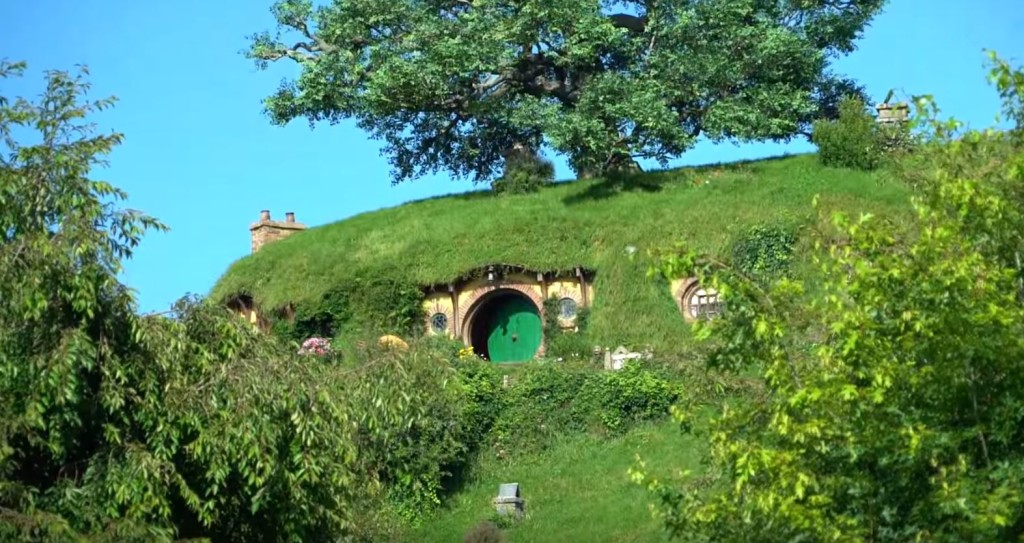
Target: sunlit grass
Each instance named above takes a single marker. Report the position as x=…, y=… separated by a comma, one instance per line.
x=587, y=223
x=578, y=490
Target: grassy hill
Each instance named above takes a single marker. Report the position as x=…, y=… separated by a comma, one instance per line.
x=578, y=490
x=589, y=223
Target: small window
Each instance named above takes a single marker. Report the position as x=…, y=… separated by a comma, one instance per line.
x=567, y=308
x=439, y=323
x=701, y=303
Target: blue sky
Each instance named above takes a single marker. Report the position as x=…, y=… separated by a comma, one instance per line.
x=200, y=155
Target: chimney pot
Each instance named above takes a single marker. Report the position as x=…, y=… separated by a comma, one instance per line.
x=289, y=216
x=265, y=215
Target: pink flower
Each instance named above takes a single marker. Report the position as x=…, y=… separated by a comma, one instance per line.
x=316, y=345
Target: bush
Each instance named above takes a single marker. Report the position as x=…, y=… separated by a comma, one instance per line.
x=616, y=399
x=851, y=141
x=764, y=251
x=547, y=400
x=362, y=307
x=482, y=385
x=538, y=406
x=902, y=419
x=484, y=532
x=566, y=344
x=524, y=173
x=570, y=346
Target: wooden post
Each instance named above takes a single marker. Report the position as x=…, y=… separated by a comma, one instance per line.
x=455, y=327
x=583, y=288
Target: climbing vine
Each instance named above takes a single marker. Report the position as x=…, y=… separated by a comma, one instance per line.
x=764, y=251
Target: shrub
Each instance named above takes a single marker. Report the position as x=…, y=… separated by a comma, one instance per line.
x=906, y=422
x=764, y=251
x=524, y=173
x=632, y=394
x=484, y=532
x=570, y=346
x=361, y=307
x=561, y=343
x=538, y=406
x=851, y=141
x=482, y=385
x=547, y=400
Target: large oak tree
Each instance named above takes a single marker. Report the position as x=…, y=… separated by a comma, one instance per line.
x=458, y=84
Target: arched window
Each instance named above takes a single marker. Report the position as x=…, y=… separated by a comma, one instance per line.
x=701, y=303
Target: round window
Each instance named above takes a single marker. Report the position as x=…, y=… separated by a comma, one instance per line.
x=439, y=323
x=567, y=308
x=702, y=303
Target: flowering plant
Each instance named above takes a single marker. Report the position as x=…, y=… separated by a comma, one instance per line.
x=316, y=345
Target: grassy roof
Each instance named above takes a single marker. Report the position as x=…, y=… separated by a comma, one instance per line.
x=588, y=223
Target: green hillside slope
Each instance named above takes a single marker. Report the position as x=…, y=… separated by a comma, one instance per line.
x=589, y=223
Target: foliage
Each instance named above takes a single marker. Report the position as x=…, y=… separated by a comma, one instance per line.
x=899, y=414
x=362, y=307
x=562, y=343
x=456, y=85
x=482, y=384
x=551, y=311
x=484, y=532
x=764, y=251
x=524, y=174
x=548, y=399
x=538, y=407
x=617, y=399
x=190, y=424
x=975, y=177
x=569, y=345
x=850, y=141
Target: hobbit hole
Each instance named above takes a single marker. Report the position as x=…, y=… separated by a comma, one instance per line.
x=505, y=326
x=497, y=309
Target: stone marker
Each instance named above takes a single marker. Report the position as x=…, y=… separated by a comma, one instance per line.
x=509, y=502
x=616, y=359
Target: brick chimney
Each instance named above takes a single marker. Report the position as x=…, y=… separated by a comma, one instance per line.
x=268, y=230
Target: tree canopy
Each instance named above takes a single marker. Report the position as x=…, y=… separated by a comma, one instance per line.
x=122, y=427
x=891, y=402
x=457, y=85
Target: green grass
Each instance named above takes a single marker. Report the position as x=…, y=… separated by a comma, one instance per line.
x=578, y=490
x=587, y=223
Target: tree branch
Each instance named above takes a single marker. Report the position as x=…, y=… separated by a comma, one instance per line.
x=630, y=22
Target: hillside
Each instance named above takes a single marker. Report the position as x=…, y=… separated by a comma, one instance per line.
x=580, y=223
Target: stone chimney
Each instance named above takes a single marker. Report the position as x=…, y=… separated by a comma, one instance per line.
x=268, y=230
x=892, y=113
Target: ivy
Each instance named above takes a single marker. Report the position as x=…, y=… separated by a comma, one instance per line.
x=764, y=251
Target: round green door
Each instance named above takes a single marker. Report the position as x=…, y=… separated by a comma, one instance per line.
x=514, y=330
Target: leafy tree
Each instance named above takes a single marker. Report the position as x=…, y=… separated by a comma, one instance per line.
x=458, y=85
x=190, y=424
x=850, y=141
x=893, y=403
